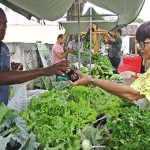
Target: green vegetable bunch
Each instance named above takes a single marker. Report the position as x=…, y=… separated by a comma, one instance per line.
x=56, y=118
x=130, y=130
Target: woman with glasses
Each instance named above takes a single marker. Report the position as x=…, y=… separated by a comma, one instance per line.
x=140, y=88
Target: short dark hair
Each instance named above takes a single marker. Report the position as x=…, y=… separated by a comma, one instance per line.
x=119, y=31
x=143, y=32
x=2, y=11
x=60, y=36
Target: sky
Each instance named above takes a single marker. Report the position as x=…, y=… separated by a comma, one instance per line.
x=144, y=14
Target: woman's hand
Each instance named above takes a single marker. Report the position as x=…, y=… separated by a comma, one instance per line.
x=83, y=79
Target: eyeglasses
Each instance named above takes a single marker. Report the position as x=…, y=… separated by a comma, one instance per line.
x=142, y=44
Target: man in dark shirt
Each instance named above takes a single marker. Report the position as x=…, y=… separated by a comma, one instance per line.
x=114, y=52
x=8, y=77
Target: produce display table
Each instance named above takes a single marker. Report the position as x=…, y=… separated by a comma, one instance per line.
x=131, y=63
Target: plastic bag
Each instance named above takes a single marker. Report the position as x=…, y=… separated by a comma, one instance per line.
x=35, y=93
x=20, y=100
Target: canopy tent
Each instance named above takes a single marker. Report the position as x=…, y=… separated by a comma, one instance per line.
x=97, y=19
x=126, y=10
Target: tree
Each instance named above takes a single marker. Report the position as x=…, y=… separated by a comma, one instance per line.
x=73, y=11
x=72, y=14
x=139, y=20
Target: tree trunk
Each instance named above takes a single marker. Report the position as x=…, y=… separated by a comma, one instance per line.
x=72, y=14
x=73, y=11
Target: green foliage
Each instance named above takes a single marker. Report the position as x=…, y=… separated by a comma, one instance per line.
x=98, y=59
x=60, y=119
x=131, y=130
x=104, y=68
x=5, y=112
x=44, y=83
x=86, y=44
x=139, y=20
x=56, y=119
x=13, y=135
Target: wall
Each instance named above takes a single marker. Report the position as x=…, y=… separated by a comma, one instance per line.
x=125, y=44
x=33, y=33
x=27, y=54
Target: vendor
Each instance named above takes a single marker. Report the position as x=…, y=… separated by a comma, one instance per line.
x=9, y=77
x=140, y=88
x=114, y=52
x=59, y=54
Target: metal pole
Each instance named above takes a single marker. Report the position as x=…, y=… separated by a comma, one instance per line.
x=90, y=37
x=79, y=54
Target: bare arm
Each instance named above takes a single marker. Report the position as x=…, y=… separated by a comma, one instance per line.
x=110, y=34
x=111, y=87
x=110, y=38
x=118, y=89
x=16, y=77
x=64, y=54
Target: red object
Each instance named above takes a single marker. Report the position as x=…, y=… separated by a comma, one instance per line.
x=131, y=64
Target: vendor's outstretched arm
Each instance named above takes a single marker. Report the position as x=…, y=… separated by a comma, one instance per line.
x=16, y=77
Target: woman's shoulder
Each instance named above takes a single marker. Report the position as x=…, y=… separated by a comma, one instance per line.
x=142, y=84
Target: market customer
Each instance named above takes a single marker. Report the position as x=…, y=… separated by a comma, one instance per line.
x=8, y=77
x=74, y=43
x=114, y=52
x=141, y=86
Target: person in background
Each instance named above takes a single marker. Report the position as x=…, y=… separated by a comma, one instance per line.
x=58, y=53
x=114, y=51
x=74, y=43
x=9, y=77
x=140, y=88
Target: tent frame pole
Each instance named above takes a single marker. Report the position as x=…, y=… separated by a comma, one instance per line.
x=79, y=53
x=90, y=37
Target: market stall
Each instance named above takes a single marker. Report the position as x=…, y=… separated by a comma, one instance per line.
x=80, y=117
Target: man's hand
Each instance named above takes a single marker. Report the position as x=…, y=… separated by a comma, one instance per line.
x=57, y=68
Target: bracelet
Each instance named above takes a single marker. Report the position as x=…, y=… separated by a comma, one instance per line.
x=92, y=81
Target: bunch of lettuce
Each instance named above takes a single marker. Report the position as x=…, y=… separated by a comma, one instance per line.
x=57, y=120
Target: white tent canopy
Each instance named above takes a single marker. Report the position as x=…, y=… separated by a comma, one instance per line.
x=71, y=27
x=127, y=10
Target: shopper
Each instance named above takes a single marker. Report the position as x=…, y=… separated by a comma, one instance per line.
x=57, y=51
x=140, y=87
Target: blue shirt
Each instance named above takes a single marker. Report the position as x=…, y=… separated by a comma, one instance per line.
x=4, y=65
